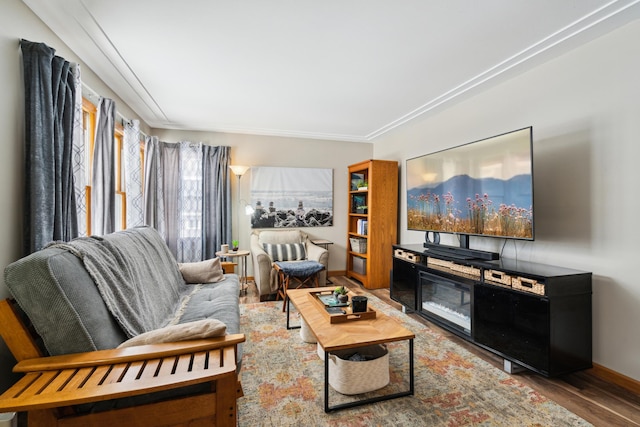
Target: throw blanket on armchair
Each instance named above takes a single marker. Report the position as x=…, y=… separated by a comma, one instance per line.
x=136, y=275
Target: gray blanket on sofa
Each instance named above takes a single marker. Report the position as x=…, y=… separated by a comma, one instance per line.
x=136, y=275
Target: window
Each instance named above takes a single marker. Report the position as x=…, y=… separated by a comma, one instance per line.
x=121, y=194
x=89, y=131
x=89, y=112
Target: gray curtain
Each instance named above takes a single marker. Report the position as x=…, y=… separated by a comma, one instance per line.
x=217, y=199
x=161, y=167
x=50, y=208
x=187, y=196
x=153, y=188
x=170, y=164
x=103, y=187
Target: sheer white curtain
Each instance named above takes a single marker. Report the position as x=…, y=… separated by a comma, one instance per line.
x=190, y=194
x=79, y=155
x=133, y=174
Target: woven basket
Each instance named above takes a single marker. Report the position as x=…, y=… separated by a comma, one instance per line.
x=528, y=285
x=467, y=269
x=497, y=277
x=307, y=334
x=349, y=377
x=439, y=262
x=358, y=245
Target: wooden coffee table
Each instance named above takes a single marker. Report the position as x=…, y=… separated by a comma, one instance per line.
x=348, y=334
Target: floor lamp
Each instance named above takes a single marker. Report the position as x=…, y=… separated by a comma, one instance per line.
x=239, y=171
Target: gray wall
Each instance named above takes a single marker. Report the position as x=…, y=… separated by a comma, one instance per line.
x=585, y=110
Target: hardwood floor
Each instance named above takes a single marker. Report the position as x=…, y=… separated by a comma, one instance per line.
x=599, y=402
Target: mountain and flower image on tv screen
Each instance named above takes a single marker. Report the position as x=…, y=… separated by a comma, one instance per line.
x=481, y=188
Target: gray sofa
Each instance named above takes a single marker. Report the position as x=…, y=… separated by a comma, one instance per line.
x=97, y=292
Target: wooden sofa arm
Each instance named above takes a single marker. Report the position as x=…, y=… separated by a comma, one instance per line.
x=52, y=385
x=126, y=355
x=74, y=379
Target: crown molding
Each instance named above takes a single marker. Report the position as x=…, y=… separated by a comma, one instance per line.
x=101, y=55
x=272, y=132
x=562, y=36
x=98, y=52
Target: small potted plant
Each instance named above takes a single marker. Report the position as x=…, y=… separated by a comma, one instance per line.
x=361, y=209
x=362, y=185
x=234, y=245
x=340, y=294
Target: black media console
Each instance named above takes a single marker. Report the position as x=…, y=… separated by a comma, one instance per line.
x=534, y=316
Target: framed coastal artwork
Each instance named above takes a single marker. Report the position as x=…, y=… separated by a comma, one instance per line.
x=291, y=197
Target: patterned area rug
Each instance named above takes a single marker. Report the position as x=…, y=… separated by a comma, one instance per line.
x=282, y=378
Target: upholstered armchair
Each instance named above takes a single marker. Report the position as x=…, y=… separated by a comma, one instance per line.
x=265, y=276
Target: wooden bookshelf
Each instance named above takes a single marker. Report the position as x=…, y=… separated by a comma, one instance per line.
x=368, y=262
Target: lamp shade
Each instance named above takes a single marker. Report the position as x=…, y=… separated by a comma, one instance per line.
x=239, y=170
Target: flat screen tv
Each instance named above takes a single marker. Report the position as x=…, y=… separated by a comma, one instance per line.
x=483, y=188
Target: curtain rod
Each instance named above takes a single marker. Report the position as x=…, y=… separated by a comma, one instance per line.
x=94, y=98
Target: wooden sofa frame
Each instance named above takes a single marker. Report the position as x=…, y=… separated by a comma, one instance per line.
x=52, y=386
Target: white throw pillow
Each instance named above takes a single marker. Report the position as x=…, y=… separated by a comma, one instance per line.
x=208, y=271
x=199, y=329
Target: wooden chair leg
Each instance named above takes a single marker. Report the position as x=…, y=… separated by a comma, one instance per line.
x=316, y=284
x=280, y=292
x=285, y=286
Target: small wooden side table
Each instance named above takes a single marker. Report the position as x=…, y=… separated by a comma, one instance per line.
x=324, y=243
x=242, y=265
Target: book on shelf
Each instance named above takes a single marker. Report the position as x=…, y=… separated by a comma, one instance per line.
x=361, y=226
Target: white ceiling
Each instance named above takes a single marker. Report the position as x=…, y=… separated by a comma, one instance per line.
x=333, y=69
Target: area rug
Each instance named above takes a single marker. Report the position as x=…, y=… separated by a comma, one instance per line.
x=282, y=379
